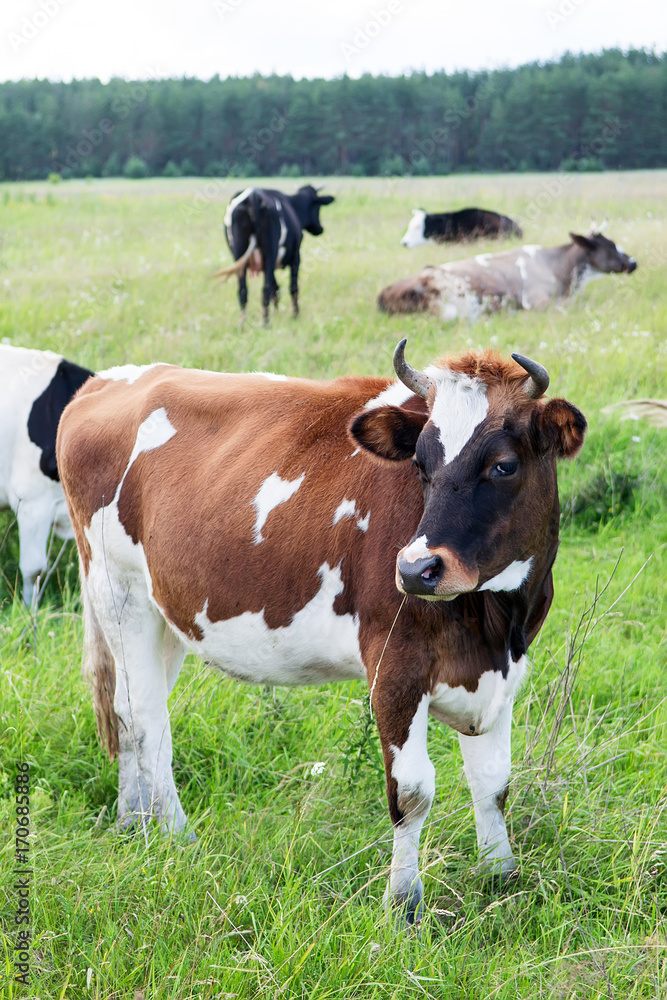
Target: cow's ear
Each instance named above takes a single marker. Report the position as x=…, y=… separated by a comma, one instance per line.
x=325, y=199
x=582, y=241
x=559, y=428
x=389, y=432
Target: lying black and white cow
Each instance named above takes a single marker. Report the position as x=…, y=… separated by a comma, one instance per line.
x=264, y=230
x=529, y=277
x=456, y=227
x=36, y=388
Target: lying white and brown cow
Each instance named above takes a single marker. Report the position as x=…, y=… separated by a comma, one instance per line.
x=36, y=386
x=528, y=277
x=256, y=521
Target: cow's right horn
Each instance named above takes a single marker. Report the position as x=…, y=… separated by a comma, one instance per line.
x=538, y=383
x=415, y=380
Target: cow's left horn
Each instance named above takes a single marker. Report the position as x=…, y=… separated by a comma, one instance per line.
x=415, y=380
x=538, y=383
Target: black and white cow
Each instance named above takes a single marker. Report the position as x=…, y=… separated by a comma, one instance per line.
x=36, y=388
x=264, y=230
x=457, y=227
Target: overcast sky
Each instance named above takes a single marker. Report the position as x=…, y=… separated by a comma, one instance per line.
x=140, y=39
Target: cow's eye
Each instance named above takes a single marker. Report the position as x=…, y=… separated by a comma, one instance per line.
x=505, y=468
x=419, y=469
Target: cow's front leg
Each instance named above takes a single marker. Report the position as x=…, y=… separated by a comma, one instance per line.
x=402, y=722
x=34, y=518
x=487, y=764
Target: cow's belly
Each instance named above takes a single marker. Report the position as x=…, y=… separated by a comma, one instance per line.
x=475, y=712
x=317, y=646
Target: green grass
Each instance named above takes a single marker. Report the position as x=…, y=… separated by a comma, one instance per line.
x=281, y=896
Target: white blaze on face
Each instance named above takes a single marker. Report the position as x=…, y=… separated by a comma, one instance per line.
x=460, y=405
x=511, y=578
x=414, y=235
x=417, y=550
x=271, y=493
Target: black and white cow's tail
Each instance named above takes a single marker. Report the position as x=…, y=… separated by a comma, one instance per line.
x=99, y=669
x=238, y=265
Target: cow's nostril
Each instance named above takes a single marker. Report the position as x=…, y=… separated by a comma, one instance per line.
x=433, y=571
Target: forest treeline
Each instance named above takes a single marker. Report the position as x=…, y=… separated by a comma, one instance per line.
x=605, y=111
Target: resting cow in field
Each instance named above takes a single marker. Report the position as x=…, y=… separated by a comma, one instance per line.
x=256, y=520
x=264, y=230
x=457, y=227
x=36, y=386
x=529, y=277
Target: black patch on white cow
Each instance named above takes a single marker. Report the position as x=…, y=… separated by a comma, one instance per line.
x=47, y=410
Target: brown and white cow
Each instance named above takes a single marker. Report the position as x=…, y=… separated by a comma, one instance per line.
x=279, y=527
x=528, y=277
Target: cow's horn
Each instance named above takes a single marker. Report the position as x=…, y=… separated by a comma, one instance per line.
x=417, y=381
x=538, y=383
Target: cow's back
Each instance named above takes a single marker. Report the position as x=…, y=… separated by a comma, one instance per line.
x=242, y=493
x=25, y=374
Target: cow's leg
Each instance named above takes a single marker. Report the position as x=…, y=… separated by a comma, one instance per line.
x=243, y=292
x=487, y=765
x=270, y=287
x=410, y=790
x=147, y=657
x=35, y=518
x=294, y=283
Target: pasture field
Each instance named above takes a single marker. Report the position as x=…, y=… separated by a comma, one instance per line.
x=281, y=895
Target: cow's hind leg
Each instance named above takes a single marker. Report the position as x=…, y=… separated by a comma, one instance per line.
x=147, y=657
x=487, y=765
x=294, y=284
x=243, y=293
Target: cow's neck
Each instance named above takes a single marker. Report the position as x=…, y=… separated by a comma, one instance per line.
x=570, y=266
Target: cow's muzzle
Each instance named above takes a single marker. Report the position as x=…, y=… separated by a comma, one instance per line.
x=440, y=575
x=420, y=577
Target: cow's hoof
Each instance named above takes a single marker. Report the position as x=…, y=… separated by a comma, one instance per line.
x=501, y=872
x=132, y=823
x=407, y=907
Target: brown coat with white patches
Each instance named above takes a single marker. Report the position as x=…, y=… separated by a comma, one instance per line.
x=528, y=277
x=234, y=515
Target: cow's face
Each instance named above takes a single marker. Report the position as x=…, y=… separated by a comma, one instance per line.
x=310, y=203
x=603, y=255
x=414, y=234
x=484, y=453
